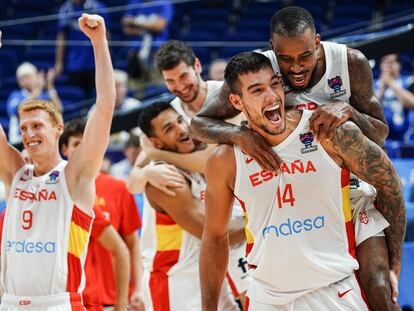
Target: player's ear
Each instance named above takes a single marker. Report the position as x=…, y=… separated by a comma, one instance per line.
x=156, y=142
x=236, y=101
x=197, y=66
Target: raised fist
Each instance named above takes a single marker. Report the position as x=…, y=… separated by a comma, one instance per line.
x=93, y=26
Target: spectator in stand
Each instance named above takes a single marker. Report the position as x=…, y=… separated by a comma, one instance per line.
x=79, y=59
x=123, y=101
x=395, y=92
x=131, y=150
x=33, y=85
x=147, y=24
x=216, y=71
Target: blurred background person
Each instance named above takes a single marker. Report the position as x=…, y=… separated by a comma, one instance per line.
x=393, y=90
x=33, y=85
x=78, y=63
x=132, y=149
x=216, y=71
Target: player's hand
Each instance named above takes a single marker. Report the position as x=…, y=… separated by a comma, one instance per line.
x=93, y=26
x=326, y=118
x=255, y=146
x=164, y=177
x=394, y=286
x=136, y=302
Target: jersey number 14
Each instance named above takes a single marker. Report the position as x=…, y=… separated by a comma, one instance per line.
x=286, y=197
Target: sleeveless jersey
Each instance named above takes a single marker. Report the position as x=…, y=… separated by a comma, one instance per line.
x=166, y=246
x=333, y=86
x=45, y=236
x=299, y=222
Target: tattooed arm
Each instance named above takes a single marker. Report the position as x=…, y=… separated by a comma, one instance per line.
x=369, y=162
x=366, y=110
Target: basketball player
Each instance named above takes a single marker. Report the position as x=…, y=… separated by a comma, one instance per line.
x=49, y=210
x=301, y=247
x=170, y=236
x=334, y=81
x=106, y=286
x=181, y=70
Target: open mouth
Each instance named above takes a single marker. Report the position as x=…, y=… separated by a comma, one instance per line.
x=185, y=139
x=298, y=79
x=272, y=113
x=33, y=145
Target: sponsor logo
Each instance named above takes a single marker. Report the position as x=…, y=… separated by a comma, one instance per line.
x=292, y=168
x=42, y=195
x=28, y=247
x=293, y=227
x=363, y=217
x=340, y=295
x=53, y=177
x=307, y=139
x=336, y=84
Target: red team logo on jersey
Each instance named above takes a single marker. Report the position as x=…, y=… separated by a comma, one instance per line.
x=336, y=84
x=363, y=217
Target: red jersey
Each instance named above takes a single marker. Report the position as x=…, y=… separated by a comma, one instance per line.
x=118, y=207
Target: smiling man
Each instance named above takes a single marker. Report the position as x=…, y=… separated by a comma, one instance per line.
x=49, y=210
x=301, y=241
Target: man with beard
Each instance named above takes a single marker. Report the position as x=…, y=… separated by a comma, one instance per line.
x=301, y=242
x=331, y=79
x=173, y=224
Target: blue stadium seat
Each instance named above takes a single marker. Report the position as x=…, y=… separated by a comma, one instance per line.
x=153, y=90
x=71, y=94
x=405, y=169
x=406, y=282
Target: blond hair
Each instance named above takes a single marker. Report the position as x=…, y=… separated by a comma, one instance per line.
x=51, y=108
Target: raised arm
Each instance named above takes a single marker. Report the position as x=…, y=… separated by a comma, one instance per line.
x=86, y=160
x=219, y=202
x=370, y=163
x=208, y=126
x=11, y=161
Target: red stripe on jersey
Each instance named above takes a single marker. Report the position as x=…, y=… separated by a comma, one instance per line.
x=82, y=219
x=351, y=238
x=249, y=247
x=164, y=260
x=76, y=302
x=158, y=284
x=345, y=177
x=246, y=307
x=233, y=287
x=164, y=219
x=242, y=204
x=74, y=273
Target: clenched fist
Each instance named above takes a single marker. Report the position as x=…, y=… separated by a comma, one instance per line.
x=93, y=26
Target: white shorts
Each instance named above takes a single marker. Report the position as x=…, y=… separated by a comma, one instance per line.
x=368, y=221
x=237, y=270
x=179, y=293
x=343, y=295
x=58, y=302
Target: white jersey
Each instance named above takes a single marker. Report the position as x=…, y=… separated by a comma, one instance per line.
x=333, y=86
x=45, y=236
x=166, y=246
x=299, y=222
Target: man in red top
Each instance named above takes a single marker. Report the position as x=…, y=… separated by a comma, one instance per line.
x=118, y=207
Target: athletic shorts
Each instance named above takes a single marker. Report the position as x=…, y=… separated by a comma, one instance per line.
x=368, y=221
x=237, y=270
x=343, y=295
x=179, y=292
x=58, y=302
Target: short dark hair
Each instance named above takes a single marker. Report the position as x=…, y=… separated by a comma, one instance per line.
x=149, y=113
x=74, y=127
x=241, y=64
x=291, y=22
x=171, y=53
